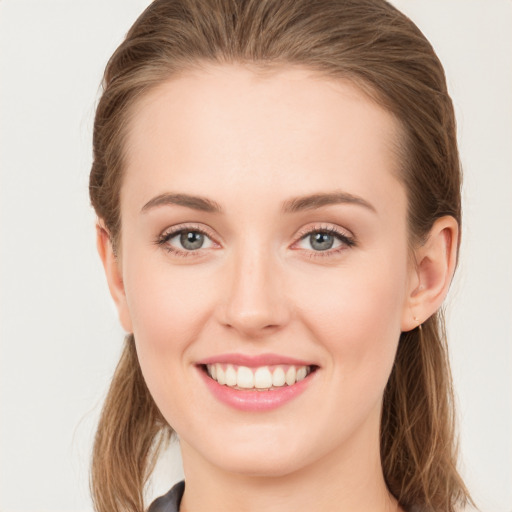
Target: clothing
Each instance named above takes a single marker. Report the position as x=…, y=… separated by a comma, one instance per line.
x=169, y=502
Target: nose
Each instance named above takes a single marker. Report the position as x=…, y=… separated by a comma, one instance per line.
x=255, y=303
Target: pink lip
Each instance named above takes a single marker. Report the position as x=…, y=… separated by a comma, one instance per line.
x=252, y=400
x=254, y=361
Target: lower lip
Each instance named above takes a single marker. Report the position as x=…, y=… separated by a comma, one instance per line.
x=252, y=400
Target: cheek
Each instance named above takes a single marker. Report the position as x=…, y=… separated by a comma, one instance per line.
x=355, y=312
x=167, y=307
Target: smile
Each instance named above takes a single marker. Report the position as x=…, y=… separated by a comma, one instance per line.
x=260, y=378
x=256, y=383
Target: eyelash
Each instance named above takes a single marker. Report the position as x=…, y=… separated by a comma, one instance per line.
x=346, y=241
x=164, y=238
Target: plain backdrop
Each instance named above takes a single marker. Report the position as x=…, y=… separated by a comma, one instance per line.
x=60, y=338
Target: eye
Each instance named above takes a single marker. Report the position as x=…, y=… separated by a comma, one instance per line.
x=190, y=240
x=183, y=241
x=323, y=240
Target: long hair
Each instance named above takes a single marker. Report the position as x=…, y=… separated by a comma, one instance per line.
x=381, y=51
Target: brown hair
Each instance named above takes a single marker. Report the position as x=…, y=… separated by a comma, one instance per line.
x=384, y=53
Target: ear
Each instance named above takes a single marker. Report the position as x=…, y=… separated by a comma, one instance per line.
x=432, y=273
x=114, y=276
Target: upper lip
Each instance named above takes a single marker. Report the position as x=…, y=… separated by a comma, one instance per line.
x=253, y=361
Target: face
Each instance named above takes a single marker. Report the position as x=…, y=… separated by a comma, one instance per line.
x=264, y=265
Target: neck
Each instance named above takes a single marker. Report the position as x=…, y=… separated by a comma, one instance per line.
x=349, y=479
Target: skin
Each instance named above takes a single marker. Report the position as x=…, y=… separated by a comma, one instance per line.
x=250, y=143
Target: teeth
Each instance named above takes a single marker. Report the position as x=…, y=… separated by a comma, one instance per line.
x=244, y=377
x=221, y=375
x=278, y=377
x=231, y=377
x=301, y=373
x=291, y=374
x=263, y=377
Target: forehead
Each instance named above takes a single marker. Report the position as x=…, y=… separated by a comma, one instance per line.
x=289, y=131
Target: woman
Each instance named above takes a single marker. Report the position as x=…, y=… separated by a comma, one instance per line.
x=277, y=187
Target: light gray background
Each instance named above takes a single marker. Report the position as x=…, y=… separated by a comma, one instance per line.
x=60, y=339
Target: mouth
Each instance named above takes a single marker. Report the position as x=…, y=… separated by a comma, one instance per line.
x=260, y=378
x=256, y=383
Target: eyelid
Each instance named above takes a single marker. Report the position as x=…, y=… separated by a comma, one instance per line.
x=325, y=227
x=345, y=236
x=187, y=226
x=172, y=231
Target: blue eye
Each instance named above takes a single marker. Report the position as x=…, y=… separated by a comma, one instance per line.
x=191, y=240
x=186, y=240
x=321, y=241
x=325, y=240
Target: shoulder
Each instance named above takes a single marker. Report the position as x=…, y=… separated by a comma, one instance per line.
x=169, y=502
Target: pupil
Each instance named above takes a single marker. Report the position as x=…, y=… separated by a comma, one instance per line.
x=191, y=240
x=321, y=241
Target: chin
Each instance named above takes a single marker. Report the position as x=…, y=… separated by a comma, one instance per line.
x=262, y=466
x=259, y=454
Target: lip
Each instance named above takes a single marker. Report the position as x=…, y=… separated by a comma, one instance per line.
x=253, y=400
x=254, y=361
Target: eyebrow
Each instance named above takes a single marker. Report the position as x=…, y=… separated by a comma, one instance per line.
x=296, y=204
x=195, y=202
x=314, y=201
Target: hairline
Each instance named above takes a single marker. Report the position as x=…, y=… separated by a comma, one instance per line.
x=398, y=141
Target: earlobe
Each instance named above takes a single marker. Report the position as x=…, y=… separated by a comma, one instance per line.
x=113, y=274
x=435, y=264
